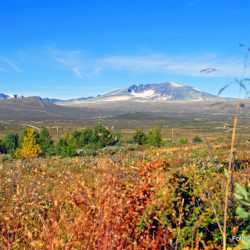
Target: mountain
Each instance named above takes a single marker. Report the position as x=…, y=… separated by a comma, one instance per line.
x=50, y=100
x=7, y=96
x=167, y=91
x=46, y=99
x=4, y=96
x=35, y=109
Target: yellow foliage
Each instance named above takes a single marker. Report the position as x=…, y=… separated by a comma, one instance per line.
x=30, y=148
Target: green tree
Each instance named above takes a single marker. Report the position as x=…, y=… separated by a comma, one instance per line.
x=103, y=137
x=65, y=149
x=46, y=143
x=3, y=149
x=86, y=136
x=139, y=137
x=75, y=139
x=11, y=143
x=155, y=136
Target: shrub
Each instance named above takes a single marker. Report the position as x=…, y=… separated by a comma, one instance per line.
x=65, y=149
x=46, y=143
x=155, y=137
x=86, y=136
x=170, y=142
x=196, y=139
x=139, y=137
x=183, y=141
x=30, y=147
x=103, y=137
x=11, y=143
x=75, y=138
x=3, y=149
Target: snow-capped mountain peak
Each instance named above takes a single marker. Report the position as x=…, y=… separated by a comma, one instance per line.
x=167, y=91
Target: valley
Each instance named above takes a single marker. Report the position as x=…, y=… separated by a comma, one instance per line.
x=123, y=165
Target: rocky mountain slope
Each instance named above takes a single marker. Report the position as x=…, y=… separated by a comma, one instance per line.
x=167, y=91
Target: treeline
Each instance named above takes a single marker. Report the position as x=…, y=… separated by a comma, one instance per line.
x=154, y=138
x=32, y=144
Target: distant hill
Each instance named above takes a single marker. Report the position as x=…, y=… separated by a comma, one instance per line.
x=121, y=114
x=35, y=109
x=4, y=96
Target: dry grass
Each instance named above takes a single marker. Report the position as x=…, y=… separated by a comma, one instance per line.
x=128, y=200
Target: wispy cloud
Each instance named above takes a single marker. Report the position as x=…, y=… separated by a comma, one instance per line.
x=84, y=66
x=74, y=61
x=189, y=65
x=77, y=72
x=7, y=65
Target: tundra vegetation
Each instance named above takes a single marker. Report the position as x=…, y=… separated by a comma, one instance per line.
x=91, y=190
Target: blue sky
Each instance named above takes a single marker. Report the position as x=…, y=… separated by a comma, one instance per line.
x=75, y=48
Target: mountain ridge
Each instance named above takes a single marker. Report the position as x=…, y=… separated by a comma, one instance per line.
x=154, y=92
x=166, y=91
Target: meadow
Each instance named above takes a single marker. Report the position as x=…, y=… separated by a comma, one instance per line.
x=128, y=195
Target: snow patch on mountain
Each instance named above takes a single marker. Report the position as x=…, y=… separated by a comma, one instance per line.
x=116, y=98
x=144, y=94
x=176, y=85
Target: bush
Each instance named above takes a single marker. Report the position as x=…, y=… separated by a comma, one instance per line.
x=170, y=142
x=46, y=143
x=196, y=139
x=75, y=138
x=30, y=147
x=65, y=149
x=139, y=137
x=3, y=149
x=86, y=136
x=155, y=137
x=183, y=141
x=103, y=137
x=11, y=143
x=87, y=152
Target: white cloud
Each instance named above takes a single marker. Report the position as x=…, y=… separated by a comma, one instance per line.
x=7, y=65
x=188, y=65
x=77, y=72
x=76, y=61
x=83, y=66
x=71, y=60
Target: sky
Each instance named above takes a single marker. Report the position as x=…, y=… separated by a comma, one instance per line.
x=78, y=48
